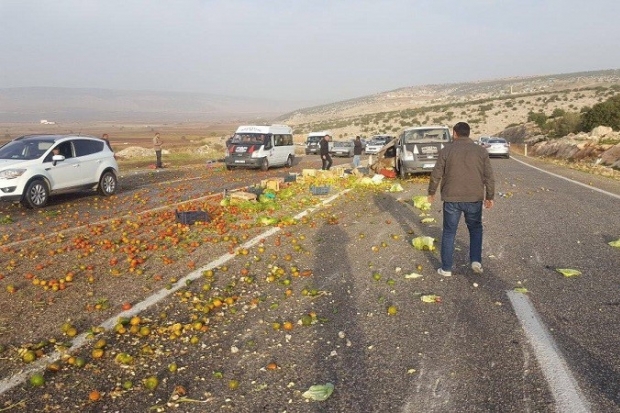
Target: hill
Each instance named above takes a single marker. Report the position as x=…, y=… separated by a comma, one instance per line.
x=489, y=106
x=90, y=105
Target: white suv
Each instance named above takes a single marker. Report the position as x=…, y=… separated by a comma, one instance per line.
x=34, y=167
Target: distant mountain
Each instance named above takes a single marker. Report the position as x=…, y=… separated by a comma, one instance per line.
x=32, y=104
x=450, y=93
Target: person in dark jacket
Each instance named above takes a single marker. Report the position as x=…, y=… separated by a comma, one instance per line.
x=324, y=152
x=357, y=151
x=467, y=183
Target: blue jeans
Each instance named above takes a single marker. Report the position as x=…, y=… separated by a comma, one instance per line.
x=356, y=161
x=473, y=218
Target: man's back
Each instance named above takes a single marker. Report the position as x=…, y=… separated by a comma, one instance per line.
x=465, y=173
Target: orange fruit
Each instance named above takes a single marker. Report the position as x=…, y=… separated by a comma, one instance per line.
x=151, y=383
x=101, y=343
x=94, y=395
x=29, y=356
x=97, y=353
x=272, y=366
x=287, y=325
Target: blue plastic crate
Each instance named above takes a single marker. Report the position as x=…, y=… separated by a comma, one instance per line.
x=190, y=217
x=320, y=190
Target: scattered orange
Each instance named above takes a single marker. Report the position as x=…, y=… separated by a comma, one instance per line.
x=94, y=395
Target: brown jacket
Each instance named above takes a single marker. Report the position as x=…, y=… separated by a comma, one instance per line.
x=465, y=173
x=157, y=143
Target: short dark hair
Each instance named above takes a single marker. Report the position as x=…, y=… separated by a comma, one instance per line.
x=462, y=129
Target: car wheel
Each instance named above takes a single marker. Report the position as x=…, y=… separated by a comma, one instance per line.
x=289, y=162
x=107, y=183
x=507, y=156
x=401, y=171
x=36, y=194
x=229, y=168
x=264, y=164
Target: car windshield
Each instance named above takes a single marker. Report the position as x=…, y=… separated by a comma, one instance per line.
x=249, y=138
x=313, y=139
x=427, y=135
x=25, y=149
x=342, y=144
x=378, y=141
x=496, y=140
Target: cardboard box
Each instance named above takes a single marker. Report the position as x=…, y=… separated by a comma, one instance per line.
x=243, y=196
x=273, y=183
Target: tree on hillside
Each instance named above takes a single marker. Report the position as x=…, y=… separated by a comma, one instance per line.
x=606, y=113
x=538, y=118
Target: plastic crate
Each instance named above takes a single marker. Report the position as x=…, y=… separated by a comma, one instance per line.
x=190, y=217
x=319, y=190
x=290, y=178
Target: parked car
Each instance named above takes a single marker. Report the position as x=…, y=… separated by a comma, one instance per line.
x=377, y=142
x=34, y=167
x=498, y=147
x=312, y=141
x=482, y=140
x=342, y=148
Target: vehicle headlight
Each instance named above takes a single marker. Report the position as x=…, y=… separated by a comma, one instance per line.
x=11, y=173
x=408, y=156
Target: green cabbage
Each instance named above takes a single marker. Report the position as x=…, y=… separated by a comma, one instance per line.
x=319, y=392
x=421, y=202
x=423, y=243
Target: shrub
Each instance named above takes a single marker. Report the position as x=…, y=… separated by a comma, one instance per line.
x=538, y=118
x=558, y=113
x=563, y=125
x=605, y=113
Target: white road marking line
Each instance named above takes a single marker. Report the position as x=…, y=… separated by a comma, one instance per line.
x=564, y=387
x=568, y=179
x=81, y=339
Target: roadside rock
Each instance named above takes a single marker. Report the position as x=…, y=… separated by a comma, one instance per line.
x=582, y=146
x=521, y=133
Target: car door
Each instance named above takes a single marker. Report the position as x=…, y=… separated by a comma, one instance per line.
x=89, y=153
x=63, y=174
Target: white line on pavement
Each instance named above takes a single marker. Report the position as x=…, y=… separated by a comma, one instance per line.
x=568, y=179
x=566, y=392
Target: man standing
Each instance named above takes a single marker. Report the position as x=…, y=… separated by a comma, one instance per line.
x=157, y=146
x=324, y=152
x=467, y=182
x=106, y=138
x=357, y=151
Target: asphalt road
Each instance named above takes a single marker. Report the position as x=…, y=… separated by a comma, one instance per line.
x=475, y=351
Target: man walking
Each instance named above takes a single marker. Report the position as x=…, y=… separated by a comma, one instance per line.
x=157, y=146
x=324, y=152
x=357, y=151
x=467, y=182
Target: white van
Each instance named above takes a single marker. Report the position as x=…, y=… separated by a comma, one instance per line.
x=312, y=141
x=261, y=147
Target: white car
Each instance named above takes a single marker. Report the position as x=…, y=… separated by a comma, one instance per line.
x=342, y=148
x=498, y=147
x=33, y=167
x=375, y=143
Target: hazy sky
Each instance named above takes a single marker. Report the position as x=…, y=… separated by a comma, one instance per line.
x=312, y=50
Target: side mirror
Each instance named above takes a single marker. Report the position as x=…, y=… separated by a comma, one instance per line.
x=57, y=158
